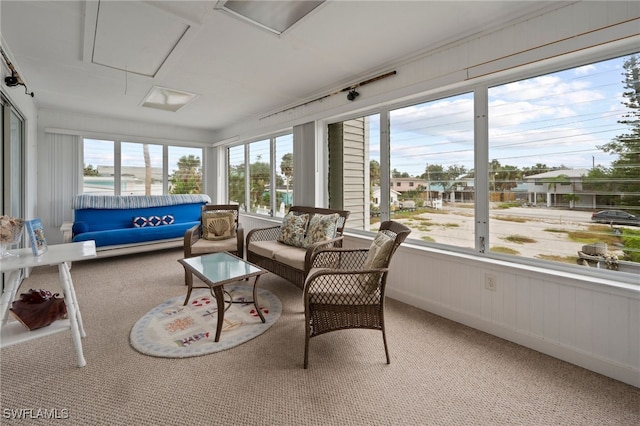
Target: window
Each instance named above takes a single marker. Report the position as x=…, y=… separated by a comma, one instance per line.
x=284, y=174
x=236, y=175
x=433, y=141
x=141, y=170
x=99, y=167
x=268, y=188
x=260, y=177
x=561, y=147
x=131, y=168
x=185, y=170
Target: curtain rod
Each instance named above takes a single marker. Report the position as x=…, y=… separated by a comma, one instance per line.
x=346, y=89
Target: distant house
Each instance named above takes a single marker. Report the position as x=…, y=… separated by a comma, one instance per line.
x=375, y=196
x=554, y=188
x=407, y=184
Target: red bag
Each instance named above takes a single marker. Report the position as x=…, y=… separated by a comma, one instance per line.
x=38, y=308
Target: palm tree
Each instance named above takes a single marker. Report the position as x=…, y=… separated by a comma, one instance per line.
x=553, y=183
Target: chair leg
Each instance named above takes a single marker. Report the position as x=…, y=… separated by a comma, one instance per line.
x=307, y=336
x=306, y=352
x=386, y=348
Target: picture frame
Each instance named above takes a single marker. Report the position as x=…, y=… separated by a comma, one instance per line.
x=37, y=240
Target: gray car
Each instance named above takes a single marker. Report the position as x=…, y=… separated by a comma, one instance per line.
x=616, y=217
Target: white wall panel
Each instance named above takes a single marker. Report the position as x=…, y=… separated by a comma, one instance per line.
x=523, y=319
x=600, y=324
x=536, y=308
x=634, y=334
x=584, y=320
x=510, y=301
x=618, y=342
x=551, y=311
x=567, y=314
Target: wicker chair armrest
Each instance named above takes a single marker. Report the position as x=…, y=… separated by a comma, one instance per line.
x=321, y=245
x=340, y=258
x=264, y=234
x=240, y=240
x=191, y=235
x=361, y=284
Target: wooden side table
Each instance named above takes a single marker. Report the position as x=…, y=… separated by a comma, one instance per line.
x=13, y=332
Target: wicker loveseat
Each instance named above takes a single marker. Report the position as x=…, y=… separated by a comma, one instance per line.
x=265, y=249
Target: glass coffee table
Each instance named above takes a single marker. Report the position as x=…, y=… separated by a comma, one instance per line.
x=216, y=270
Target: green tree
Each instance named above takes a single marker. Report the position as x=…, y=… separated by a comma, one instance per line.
x=187, y=179
x=507, y=178
x=259, y=172
x=572, y=198
x=397, y=174
x=552, y=184
x=236, y=184
x=534, y=170
x=446, y=179
x=625, y=170
x=374, y=173
x=598, y=180
x=90, y=171
x=286, y=167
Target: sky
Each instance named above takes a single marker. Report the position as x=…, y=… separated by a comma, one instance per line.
x=557, y=119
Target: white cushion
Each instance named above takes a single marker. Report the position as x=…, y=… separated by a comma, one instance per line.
x=292, y=256
x=266, y=249
x=203, y=246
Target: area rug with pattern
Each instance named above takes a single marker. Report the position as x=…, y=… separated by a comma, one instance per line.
x=171, y=330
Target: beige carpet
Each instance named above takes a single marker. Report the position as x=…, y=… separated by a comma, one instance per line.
x=440, y=372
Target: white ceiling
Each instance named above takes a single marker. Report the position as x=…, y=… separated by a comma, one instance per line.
x=103, y=58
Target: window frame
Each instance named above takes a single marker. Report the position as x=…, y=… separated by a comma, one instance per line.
x=117, y=159
x=480, y=88
x=273, y=173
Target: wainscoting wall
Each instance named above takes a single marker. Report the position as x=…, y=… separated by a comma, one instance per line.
x=592, y=323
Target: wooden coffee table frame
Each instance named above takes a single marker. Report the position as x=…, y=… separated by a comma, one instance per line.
x=237, y=269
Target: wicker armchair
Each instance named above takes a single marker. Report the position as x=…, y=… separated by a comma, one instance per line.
x=345, y=287
x=196, y=245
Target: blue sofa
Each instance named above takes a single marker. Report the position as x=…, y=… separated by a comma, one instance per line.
x=133, y=223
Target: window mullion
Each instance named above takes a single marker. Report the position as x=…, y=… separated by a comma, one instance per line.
x=385, y=165
x=117, y=167
x=481, y=165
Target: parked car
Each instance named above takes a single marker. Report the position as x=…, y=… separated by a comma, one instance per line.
x=616, y=217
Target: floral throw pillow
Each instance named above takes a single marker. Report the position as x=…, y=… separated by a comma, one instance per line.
x=293, y=229
x=218, y=225
x=321, y=228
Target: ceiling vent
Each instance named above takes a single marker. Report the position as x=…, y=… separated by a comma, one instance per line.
x=167, y=99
